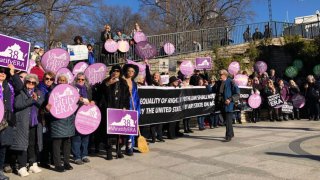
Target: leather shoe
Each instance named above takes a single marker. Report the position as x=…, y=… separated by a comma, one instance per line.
x=59, y=169
x=227, y=139
x=68, y=167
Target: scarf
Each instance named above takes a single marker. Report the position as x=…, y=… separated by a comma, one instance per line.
x=82, y=90
x=34, y=114
x=1, y=92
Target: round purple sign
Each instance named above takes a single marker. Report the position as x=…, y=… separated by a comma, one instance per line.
x=145, y=50
x=1, y=110
x=96, y=73
x=139, y=37
x=298, y=101
x=260, y=67
x=66, y=72
x=234, y=68
x=123, y=46
x=111, y=46
x=64, y=101
x=55, y=59
x=88, y=119
x=241, y=80
x=79, y=67
x=186, y=68
x=254, y=101
x=169, y=48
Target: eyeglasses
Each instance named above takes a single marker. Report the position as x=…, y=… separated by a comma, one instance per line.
x=80, y=79
x=49, y=79
x=31, y=82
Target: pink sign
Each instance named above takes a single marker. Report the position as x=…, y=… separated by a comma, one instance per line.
x=55, y=59
x=260, y=67
x=1, y=110
x=32, y=63
x=96, y=73
x=79, y=67
x=64, y=101
x=121, y=121
x=203, y=63
x=139, y=37
x=66, y=72
x=241, y=80
x=186, y=68
x=254, y=101
x=169, y=48
x=298, y=101
x=88, y=119
x=111, y=46
x=234, y=68
x=123, y=46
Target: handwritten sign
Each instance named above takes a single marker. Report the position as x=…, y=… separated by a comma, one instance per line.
x=139, y=37
x=123, y=122
x=87, y=119
x=14, y=51
x=287, y=108
x=55, y=59
x=79, y=67
x=275, y=101
x=63, y=99
x=78, y=52
x=186, y=68
x=111, y=46
x=203, y=63
x=67, y=73
x=96, y=73
x=145, y=50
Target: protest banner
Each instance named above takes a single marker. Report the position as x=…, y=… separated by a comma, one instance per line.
x=67, y=73
x=169, y=48
x=79, y=67
x=64, y=101
x=96, y=73
x=168, y=104
x=124, y=122
x=145, y=50
x=78, y=52
x=287, y=108
x=186, y=68
x=14, y=51
x=1, y=110
x=55, y=59
x=298, y=101
x=87, y=119
x=275, y=100
x=139, y=37
x=203, y=63
x=111, y=46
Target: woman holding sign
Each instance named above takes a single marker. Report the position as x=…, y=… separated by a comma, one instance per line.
x=61, y=131
x=27, y=140
x=269, y=91
x=80, y=142
x=130, y=72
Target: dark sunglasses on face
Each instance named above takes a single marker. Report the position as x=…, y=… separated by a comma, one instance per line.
x=80, y=79
x=49, y=79
x=31, y=82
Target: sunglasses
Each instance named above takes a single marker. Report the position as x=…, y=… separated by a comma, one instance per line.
x=80, y=79
x=31, y=82
x=49, y=79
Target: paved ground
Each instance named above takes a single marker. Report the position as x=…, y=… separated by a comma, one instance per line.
x=266, y=150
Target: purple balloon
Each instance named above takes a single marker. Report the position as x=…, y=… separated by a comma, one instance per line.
x=298, y=101
x=55, y=59
x=169, y=48
x=111, y=46
x=234, y=68
x=260, y=67
x=87, y=119
x=1, y=110
x=64, y=101
x=96, y=73
x=79, y=67
x=241, y=80
x=145, y=50
x=254, y=101
x=186, y=68
x=139, y=37
x=123, y=46
x=66, y=72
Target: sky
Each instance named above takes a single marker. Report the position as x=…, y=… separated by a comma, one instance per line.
x=260, y=7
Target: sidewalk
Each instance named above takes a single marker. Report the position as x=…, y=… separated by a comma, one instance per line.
x=265, y=150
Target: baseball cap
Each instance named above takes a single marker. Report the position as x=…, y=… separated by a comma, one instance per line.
x=36, y=47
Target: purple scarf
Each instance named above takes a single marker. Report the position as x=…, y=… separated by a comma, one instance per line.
x=82, y=90
x=1, y=93
x=34, y=113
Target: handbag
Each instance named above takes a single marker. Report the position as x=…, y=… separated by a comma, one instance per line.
x=142, y=144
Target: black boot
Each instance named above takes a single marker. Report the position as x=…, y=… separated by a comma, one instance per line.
x=109, y=153
x=298, y=115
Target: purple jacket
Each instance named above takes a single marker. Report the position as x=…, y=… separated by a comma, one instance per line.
x=284, y=92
